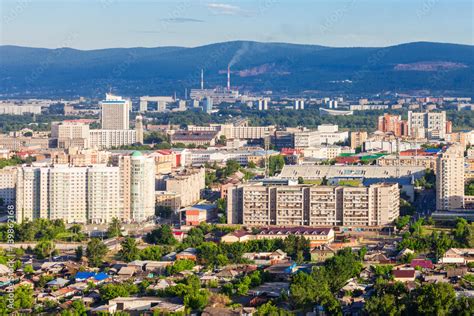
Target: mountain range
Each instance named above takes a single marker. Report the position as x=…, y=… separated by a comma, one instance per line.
x=420, y=67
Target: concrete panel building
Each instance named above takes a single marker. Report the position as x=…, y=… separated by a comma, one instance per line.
x=450, y=179
x=302, y=205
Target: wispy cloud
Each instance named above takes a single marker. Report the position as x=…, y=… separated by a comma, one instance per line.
x=152, y=32
x=226, y=9
x=182, y=20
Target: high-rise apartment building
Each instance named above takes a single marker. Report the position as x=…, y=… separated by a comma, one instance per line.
x=142, y=187
x=75, y=194
x=92, y=194
x=392, y=124
x=431, y=125
x=302, y=205
x=450, y=179
x=115, y=113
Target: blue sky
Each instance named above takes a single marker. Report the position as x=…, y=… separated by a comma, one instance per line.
x=93, y=24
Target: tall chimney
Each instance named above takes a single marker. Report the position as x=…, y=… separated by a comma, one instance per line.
x=202, y=79
x=228, y=78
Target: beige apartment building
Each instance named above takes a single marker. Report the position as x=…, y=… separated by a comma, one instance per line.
x=70, y=134
x=358, y=139
x=187, y=184
x=7, y=185
x=80, y=157
x=427, y=162
x=450, y=179
x=302, y=205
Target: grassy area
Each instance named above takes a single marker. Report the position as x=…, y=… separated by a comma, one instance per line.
x=428, y=230
x=317, y=182
x=350, y=183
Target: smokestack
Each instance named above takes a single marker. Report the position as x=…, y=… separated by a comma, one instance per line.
x=202, y=79
x=228, y=78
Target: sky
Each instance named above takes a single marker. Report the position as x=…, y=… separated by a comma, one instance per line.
x=96, y=24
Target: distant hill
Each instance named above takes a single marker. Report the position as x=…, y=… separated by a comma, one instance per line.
x=281, y=67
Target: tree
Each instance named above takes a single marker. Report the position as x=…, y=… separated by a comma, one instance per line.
x=28, y=269
x=95, y=252
x=79, y=308
x=129, y=251
x=110, y=290
x=251, y=165
x=196, y=300
x=275, y=164
x=151, y=253
x=434, y=299
x=232, y=166
x=162, y=235
x=79, y=253
x=163, y=211
x=115, y=228
x=340, y=268
x=268, y=309
x=179, y=266
x=44, y=249
x=23, y=296
x=402, y=221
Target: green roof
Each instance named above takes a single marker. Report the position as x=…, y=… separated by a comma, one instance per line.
x=137, y=154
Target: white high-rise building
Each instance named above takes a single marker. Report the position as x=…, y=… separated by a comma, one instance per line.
x=450, y=179
x=115, y=112
x=74, y=194
x=142, y=187
x=262, y=104
x=93, y=194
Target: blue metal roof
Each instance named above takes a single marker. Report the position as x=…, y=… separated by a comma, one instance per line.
x=84, y=275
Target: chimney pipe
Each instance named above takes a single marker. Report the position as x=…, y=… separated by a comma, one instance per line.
x=202, y=79
x=228, y=78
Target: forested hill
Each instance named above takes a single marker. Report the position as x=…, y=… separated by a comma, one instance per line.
x=293, y=68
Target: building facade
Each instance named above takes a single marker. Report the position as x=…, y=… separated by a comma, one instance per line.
x=301, y=205
x=450, y=179
x=115, y=113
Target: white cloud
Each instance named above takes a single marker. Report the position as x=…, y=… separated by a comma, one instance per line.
x=226, y=9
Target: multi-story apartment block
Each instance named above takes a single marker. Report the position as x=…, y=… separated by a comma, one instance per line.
x=107, y=138
x=305, y=139
x=17, y=143
x=322, y=152
x=392, y=124
x=427, y=162
x=70, y=134
x=325, y=134
x=92, y=194
x=236, y=131
x=188, y=184
x=301, y=205
x=431, y=125
x=142, y=187
x=450, y=179
x=7, y=185
x=357, y=139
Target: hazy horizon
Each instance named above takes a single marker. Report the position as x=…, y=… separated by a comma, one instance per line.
x=102, y=24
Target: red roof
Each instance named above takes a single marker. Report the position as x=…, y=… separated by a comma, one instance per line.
x=426, y=264
x=408, y=274
x=164, y=151
x=345, y=160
